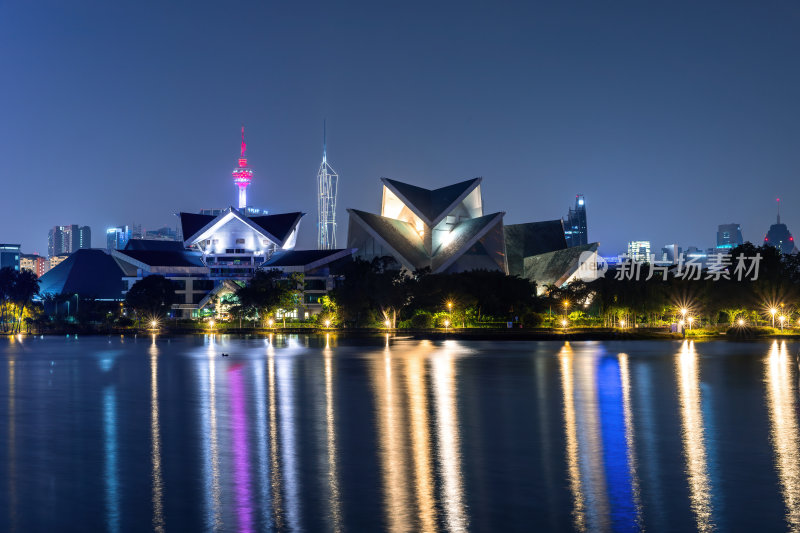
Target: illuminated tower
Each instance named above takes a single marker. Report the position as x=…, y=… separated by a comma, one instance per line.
x=242, y=175
x=327, y=184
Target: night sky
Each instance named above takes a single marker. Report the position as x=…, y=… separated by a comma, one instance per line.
x=671, y=117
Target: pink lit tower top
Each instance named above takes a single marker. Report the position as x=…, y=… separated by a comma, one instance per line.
x=242, y=175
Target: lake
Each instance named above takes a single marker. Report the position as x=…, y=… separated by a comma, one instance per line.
x=325, y=433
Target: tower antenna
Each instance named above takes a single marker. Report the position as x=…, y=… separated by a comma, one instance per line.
x=242, y=175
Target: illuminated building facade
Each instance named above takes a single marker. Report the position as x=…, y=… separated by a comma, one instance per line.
x=55, y=260
x=444, y=229
x=729, y=236
x=10, y=256
x=233, y=245
x=117, y=238
x=575, y=230
x=35, y=263
x=639, y=251
x=327, y=187
x=67, y=239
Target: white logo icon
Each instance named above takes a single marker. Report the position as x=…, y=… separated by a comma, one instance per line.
x=591, y=267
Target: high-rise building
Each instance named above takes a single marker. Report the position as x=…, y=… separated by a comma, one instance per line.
x=639, y=250
x=327, y=185
x=9, y=256
x=117, y=238
x=66, y=239
x=161, y=234
x=35, y=263
x=575, y=229
x=729, y=236
x=670, y=253
x=242, y=175
x=779, y=235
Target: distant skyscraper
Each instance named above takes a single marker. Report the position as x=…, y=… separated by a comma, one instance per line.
x=639, y=250
x=779, y=235
x=242, y=175
x=9, y=256
x=575, y=224
x=117, y=238
x=670, y=253
x=66, y=239
x=729, y=236
x=327, y=185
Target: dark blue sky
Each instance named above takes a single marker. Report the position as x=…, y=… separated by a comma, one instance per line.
x=671, y=117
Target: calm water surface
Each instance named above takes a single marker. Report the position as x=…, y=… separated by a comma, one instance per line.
x=318, y=434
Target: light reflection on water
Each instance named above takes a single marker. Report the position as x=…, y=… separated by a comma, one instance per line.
x=782, y=398
x=293, y=433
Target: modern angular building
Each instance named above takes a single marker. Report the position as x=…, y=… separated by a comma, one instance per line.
x=575, y=229
x=729, y=236
x=63, y=240
x=533, y=238
x=444, y=230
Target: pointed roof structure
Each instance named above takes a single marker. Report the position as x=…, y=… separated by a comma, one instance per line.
x=277, y=228
x=440, y=229
x=88, y=272
x=432, y=205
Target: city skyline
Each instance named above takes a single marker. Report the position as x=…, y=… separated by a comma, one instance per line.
x=689, y=129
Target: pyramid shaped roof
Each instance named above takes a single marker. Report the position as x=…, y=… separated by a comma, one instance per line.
x=91, y=273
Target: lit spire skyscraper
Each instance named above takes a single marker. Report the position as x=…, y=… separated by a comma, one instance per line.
x=327, y=185
x=242, y=175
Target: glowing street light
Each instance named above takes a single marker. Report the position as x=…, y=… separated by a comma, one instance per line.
x=327, y=322
x=211, y=324
x=270, y=322
x=154, y=324
x=446, y=324
x=387, y=323
x=564, y=322
x=773, y=311
x=782, y=320
x=450, y=306
x=740, y=322
x=684, y=311
x=622, y=323
x=690, y=320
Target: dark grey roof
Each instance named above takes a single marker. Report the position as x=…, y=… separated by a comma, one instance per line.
x=532, y=238
x=91, y=273
x=400, y=236
x=191, y=223
x=170, y=258
x=154, y=245
x=462, y=234
x=431, y=203
x=296, y=258
x=279, y=226
x=554, y=268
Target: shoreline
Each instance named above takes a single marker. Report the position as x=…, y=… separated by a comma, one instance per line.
x=478, y=334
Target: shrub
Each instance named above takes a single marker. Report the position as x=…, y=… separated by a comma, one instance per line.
x=421, y=320
x=531, y=320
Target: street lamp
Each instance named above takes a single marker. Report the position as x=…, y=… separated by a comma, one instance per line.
x=154, y=324
x=683, y=312
x=773, y=311
x=622, y=323
x=387, y=323
x=782, y=320
x=327, y=322
x=740, y=322
x=446, y=324
x=563, y=322
x=270, y=322
x=211, y=325
x=690, y=320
